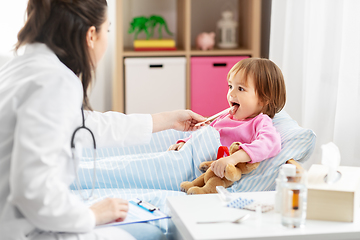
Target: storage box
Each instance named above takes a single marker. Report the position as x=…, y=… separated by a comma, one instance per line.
x=155, y=84
x=209, y=85
x=333, y=202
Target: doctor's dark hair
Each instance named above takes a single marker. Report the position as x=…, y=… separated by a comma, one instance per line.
x=62, y=25
x=268, y=80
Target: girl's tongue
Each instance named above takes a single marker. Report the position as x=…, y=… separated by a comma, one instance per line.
x=233, y=109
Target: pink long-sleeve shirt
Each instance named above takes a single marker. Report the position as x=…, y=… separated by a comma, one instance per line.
x=258, y=137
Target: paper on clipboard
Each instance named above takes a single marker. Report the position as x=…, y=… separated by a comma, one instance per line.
x=137, y=214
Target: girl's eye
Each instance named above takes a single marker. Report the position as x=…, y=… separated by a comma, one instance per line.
x=241, y=89
x=230, y=87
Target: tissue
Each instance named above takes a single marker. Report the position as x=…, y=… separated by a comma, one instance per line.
x=331, y=158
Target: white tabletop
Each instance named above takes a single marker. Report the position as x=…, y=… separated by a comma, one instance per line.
x=187, y=210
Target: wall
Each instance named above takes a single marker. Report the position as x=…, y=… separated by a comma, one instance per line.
x=12, y=15
x=101, y=94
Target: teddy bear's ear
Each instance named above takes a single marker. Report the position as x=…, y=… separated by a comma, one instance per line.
x=234, y=147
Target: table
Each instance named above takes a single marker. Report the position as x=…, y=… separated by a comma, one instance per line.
x=187, y=210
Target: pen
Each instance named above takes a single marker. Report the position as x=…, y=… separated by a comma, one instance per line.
x=145, y=205
x=134, y=203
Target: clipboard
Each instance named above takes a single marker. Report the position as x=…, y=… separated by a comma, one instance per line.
x=139, y=211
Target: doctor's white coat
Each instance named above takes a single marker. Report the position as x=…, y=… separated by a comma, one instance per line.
x=40, y=102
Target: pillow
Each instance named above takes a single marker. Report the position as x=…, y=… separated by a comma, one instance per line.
x=152, y=167
x=296, y=142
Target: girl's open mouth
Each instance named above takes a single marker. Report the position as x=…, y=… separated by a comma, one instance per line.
x=234, y=108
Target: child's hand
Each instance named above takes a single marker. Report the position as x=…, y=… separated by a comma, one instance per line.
x=176, y=147
x=219, y=166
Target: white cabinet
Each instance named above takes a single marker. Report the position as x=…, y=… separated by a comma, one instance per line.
x=155, y=85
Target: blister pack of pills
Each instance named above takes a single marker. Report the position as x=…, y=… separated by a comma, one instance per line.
x=264, y=207
x=239, y=202
x=249, y=204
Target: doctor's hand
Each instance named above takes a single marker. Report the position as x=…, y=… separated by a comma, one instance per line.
x=181, y=120
x=110, y=210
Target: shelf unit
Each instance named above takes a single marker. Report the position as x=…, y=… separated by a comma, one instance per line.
x=249, y=39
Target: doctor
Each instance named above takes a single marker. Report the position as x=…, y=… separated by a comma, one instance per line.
x=41, y=95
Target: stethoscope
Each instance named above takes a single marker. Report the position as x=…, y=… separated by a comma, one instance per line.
x=75, y=156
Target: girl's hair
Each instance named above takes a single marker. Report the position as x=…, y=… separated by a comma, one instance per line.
x=62, y=25
x=268, y=80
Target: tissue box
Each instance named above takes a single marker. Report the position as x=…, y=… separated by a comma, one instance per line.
x=333, y=202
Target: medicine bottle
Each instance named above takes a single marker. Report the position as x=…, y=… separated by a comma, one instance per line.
x=294, y=198
x=286, y=170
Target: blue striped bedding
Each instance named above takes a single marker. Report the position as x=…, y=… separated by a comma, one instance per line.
x=153, y=173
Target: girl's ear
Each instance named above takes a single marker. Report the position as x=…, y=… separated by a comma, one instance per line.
x=91, y=37
x=263, y=103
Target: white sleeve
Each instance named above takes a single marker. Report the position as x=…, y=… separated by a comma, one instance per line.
x=117, y=129
x=41, y=164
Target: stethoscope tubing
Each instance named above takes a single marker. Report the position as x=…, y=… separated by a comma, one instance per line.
x=74, y=156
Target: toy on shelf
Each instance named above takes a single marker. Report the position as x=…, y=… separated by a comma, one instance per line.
x=139, y=24
x=205, y=41
x=142, y=23
x=157, y=20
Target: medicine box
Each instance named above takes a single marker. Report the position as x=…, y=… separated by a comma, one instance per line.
x=155, y=84
x=209, y=85
x=338, y=201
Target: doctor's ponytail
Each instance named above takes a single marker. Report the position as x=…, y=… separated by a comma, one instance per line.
x=37, y=14
x=62, y=25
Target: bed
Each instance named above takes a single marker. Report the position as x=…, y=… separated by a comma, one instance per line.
x=151, y=173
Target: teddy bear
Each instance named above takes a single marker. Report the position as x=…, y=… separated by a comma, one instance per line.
x=207, y=182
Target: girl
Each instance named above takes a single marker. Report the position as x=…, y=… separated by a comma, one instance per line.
x=42, y=94
x=256, y=92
